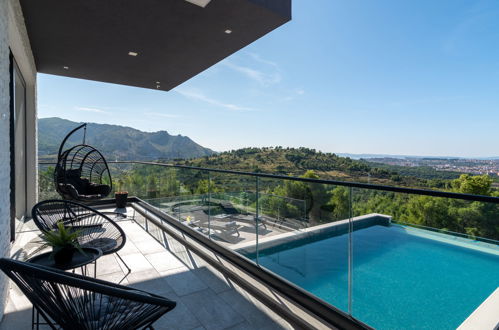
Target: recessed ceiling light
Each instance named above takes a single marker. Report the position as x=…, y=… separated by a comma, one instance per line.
x=133, y=53
x=157, y=82
x=200, y=3
x=65, y=67
x=228, y=31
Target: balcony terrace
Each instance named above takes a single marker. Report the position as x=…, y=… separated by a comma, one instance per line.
x=206, y=299
x=238, y=217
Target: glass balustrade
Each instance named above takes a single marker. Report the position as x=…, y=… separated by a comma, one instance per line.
x=389, y=256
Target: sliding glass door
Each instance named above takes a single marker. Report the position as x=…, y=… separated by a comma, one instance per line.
x=18, y=149
x=20, y=141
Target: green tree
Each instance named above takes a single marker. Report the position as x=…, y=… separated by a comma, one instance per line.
x=477, y=185
x=204, y=186
x=429, y=211
x=339, y=203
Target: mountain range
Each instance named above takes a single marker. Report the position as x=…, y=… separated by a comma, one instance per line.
x=117, y=142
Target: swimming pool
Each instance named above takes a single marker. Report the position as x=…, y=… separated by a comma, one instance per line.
x=402, y=277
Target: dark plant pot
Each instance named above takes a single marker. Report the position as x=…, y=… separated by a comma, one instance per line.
x=121, y=199
x=63, y=255
x=152, y=193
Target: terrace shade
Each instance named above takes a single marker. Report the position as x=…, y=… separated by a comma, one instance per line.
x=155, y=44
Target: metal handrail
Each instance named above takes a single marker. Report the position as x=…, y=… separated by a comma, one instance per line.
x=370, y=186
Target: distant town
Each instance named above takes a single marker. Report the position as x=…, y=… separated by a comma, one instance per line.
x=472, y=166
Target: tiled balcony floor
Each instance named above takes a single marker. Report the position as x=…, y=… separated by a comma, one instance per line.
x=205, y=299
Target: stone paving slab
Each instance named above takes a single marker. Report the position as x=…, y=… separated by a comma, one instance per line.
x=211, y=310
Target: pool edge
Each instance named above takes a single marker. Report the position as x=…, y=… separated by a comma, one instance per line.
x=485, y=317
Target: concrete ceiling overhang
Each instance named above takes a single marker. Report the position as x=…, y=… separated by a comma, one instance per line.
x=174, y=40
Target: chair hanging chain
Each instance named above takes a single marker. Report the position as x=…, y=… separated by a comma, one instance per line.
x=84, y=134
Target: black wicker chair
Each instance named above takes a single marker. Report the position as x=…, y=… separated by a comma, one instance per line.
x=71, y=301
x=96, y=229
x=81, y=172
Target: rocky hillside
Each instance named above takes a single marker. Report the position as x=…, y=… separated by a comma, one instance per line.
x=117, y=142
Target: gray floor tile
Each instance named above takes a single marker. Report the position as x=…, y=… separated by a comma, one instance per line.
x=164, y=260
x=253, y=315
x=137, y=276
x=213, y=279
x=210, y=310
x=129, y=248
x=198, y=261
x=107, y=265
x=247, y=326
x=242, y=326
x=137, y=262
x=118, y=277
x=149, y=246
x=17, y=299
x=183, y=281
x=185, y=257
x=17, y=320
x=151, y=281
x=180, y=318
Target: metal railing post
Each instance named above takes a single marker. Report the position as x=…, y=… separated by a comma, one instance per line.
x=350, y=251
x=209, y=205
x=257, y=194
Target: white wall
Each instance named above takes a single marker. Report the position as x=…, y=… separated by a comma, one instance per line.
x=4, y=146
x=13, y=35
x=21, y=49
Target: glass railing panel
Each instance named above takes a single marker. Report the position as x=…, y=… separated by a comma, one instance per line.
x=430, y=261
x=46, y=187
x=191, y=206
x=296, y=220
x=283, y=206
x=145, y=181
x=169, y=189
x=232, y=199
x=177, y=194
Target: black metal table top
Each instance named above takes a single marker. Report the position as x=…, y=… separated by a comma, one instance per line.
x=79, y=259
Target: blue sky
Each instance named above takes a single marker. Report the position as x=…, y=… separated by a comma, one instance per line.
x=386, y=76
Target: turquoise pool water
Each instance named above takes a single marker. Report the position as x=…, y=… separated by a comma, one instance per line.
x=403, y=278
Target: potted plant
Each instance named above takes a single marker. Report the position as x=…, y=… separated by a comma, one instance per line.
x=120, y=196
x=64, y=243
x=152, y=191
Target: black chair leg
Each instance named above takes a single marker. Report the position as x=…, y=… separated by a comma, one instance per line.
x=126, y=266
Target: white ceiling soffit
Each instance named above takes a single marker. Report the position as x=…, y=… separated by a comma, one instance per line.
x=200, y=3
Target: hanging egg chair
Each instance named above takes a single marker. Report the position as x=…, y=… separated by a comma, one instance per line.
x=81, y=172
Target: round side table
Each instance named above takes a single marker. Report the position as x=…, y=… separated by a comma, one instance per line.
x=79, y=260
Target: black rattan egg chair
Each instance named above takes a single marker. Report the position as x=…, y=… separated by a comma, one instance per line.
x=81, y=172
